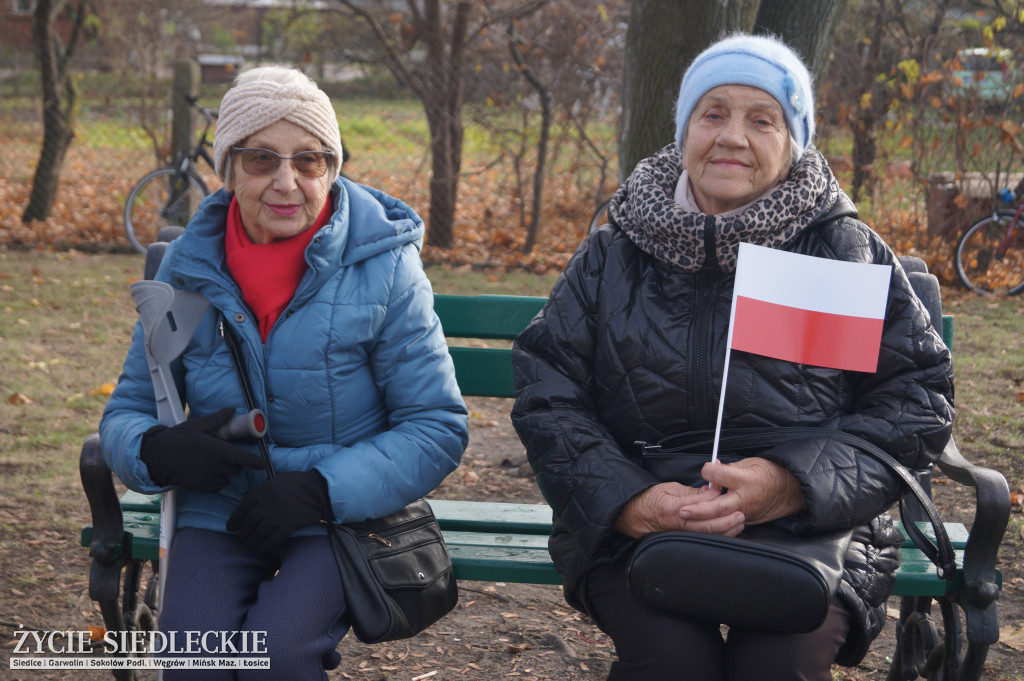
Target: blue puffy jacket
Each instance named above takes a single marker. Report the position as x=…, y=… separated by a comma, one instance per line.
x=355, y=376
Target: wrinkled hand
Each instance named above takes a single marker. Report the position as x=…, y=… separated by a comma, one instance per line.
x=269, y=514
x=188, y=455
x=760, y=489
x=660, y=508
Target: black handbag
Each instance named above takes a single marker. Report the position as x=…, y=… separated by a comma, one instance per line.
x=397, y=573
x=766, y=578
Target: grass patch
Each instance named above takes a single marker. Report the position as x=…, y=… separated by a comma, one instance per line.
x=990, y=381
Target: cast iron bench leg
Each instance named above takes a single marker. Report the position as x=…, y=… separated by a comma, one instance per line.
x=121, y=608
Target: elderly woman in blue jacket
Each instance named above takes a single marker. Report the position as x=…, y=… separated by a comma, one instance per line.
x=320, y=281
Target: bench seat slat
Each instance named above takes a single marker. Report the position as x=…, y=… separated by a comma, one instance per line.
x=488, y=516
x=522, y=557
x=483, y=516
x=510, y=518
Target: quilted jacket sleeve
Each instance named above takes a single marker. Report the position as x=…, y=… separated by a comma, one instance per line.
x=905, y=408
x=428, y=419
x=581, y=470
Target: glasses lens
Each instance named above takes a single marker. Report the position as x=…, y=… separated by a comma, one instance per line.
x=259, y=161
x=310, y=163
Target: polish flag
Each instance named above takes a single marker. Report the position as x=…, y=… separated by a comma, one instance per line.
x=809, y=310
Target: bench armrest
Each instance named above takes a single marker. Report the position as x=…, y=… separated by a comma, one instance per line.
x=107, y=545
x=992, y=513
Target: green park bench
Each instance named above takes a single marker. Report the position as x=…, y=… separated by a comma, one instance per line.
x=507, y=542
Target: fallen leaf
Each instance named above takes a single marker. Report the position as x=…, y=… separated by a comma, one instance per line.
x=1012, y=637
x=106, y=389
x=18, y=398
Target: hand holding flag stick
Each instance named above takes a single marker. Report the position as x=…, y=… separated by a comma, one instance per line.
x=805, y=309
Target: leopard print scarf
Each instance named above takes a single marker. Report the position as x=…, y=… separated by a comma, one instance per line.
x=644, y=208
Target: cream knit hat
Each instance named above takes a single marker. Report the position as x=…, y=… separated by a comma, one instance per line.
x=266, y=95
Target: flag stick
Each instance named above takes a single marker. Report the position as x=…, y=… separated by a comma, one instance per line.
x=725, y=380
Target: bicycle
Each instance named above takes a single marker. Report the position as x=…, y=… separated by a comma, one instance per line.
x=989, y=256
x=169, y=196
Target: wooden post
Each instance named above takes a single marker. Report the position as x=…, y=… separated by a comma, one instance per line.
x=183, y=134
x=183, y=125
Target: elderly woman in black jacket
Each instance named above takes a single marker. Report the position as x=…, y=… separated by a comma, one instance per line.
x=630, y=347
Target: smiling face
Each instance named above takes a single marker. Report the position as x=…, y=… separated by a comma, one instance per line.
x=283, y=203
x=736, y=147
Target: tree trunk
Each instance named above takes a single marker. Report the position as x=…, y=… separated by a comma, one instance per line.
x=662, y=39
x=59, y=99
x=864, y=116
x=442, y=98
x=446, y=162
x=805, y=25
x=542, y=141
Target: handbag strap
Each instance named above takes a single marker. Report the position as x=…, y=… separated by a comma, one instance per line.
x=247, y=394
x=940, y=552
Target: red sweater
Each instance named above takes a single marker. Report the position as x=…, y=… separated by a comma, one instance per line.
x=268, y=274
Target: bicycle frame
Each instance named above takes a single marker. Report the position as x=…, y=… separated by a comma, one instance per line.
x=1010, y=232
x=199, y=151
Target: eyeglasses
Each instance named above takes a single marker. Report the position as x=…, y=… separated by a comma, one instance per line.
x=311, y=164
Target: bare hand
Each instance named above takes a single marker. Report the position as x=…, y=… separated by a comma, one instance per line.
x=660, y=508
x=760, y=489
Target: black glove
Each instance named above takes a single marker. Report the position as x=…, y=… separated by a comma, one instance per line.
x=187, y=455
x=269, y=514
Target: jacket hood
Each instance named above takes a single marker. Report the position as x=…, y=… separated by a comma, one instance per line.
x=365, y=222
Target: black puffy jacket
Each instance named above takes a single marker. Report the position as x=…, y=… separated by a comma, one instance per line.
x=629, y=348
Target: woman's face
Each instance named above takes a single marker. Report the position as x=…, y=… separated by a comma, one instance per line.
x=283, y=203
x=736, y=147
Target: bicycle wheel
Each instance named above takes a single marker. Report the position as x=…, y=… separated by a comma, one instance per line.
x=164, y=197
x=986, y=261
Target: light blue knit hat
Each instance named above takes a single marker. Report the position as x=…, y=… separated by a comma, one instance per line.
x=759, y=61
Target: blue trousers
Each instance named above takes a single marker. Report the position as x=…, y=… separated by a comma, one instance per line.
x=216, y=584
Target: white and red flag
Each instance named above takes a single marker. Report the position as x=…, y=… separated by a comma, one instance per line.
x=804, y=309
x=809, y=310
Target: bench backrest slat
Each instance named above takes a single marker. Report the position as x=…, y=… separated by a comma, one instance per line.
x=486, y=316
x=484, y=372
x=487, y=372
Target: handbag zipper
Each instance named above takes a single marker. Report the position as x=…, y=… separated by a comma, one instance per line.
x=377, y=537
x=394, y=530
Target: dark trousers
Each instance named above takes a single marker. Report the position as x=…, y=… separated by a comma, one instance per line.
x=214, y=583
x=655, y=647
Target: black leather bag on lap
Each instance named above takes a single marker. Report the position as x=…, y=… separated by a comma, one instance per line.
x=766, y=578
x=397, y=573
